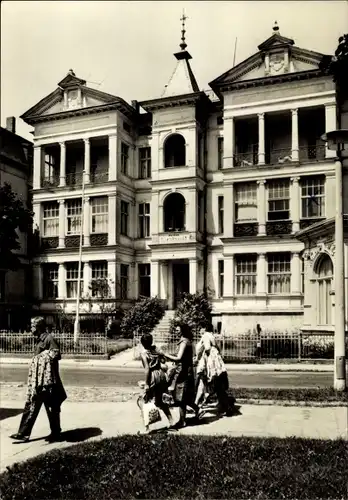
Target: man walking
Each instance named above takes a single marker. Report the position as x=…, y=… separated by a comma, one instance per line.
x=44, y=384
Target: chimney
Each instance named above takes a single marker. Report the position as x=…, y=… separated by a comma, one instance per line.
x=135, y=105
x=11, y=124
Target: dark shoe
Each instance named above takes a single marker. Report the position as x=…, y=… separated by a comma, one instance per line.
x=54, y=438
x=20, y=437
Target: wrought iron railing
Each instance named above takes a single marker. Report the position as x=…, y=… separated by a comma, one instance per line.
x=274, y=228
x=49, y=182
x=73, y=179
x=279, y=156
x=312, y=153
x=98, y=177
x=245, y=229
x=245, y=159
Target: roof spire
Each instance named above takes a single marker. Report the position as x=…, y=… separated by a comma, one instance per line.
x=183, y=44
x=276, y=27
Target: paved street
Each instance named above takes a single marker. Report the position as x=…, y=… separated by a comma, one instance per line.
x=120, y=377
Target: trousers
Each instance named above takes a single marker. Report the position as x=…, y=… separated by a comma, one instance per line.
x=31, y=411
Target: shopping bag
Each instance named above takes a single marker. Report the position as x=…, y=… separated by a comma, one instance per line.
x=151, y=413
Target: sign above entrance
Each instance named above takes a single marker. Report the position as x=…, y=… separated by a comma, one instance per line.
x=179, y=237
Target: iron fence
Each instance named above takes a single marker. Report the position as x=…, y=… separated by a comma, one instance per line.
x=24, y=343
x=296, y=346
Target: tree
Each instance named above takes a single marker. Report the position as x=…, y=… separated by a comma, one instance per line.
x=13, y=216
x=194, y=310
x=337, y=65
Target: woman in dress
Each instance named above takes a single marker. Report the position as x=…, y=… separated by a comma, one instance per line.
x=211, y=371
x=184, y=392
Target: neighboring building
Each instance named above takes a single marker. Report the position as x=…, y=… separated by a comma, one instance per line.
x=16, y=165
x=204, y=191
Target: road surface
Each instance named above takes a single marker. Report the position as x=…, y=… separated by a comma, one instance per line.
x=128, y=378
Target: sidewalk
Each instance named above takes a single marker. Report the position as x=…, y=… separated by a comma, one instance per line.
x=125, y=360
x=85, y=421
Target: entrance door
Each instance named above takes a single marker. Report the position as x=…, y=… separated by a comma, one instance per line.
x=181, y=283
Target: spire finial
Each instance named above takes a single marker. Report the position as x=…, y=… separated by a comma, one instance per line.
x=275, y=27
x=183, y=44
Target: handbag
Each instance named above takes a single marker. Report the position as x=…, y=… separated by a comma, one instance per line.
x=151, y=413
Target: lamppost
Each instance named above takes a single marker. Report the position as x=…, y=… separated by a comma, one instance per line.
x=78, y=293
x=336, y=141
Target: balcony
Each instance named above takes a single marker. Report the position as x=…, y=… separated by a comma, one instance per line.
x=98, y=240
x=312, y=153
x=279, y=156
x=278, y=228
x=245, y=159
x=73, y=179
x=49, y=182
x=98, y=177
x=242, y=229
x=49, y=242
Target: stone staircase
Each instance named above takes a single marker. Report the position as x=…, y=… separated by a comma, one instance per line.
x=161, y=330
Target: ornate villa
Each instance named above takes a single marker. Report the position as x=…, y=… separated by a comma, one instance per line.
x=230, y=190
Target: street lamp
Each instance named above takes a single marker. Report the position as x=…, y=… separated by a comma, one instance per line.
x=336, y=141
x=77, y=316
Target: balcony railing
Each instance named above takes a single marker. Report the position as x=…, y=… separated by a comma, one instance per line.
x=277, y=227
x=50, y=182
x=245, y=229
x=245, y=159
x=73, y=179
x=312, y=153
x=99, y=177
x=279, y=156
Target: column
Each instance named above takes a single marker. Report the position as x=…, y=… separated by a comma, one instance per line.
x=155, y=278
x=261, y=284
x=295, y=204
x=87, y=164
x=87, y=275
x=261, y=154
x=37, y=167
x=156, y=226
x=261, y=207
x=61, y=243
x=38, y=284
x=229, y=276
x=193, y=264
x=164, y=280
x=112, y=277
x=294, y=135
x=191, y=148
x=112, y=219
x=155, y=156
x=228, y=142
x=191, y=211
x=330, y=124
x=61, y=281
x=228, y=211
x=86, y=222
x=296, y=273
x=62, y=171
x=112, y=157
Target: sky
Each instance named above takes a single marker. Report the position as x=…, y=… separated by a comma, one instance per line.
x=126, y=47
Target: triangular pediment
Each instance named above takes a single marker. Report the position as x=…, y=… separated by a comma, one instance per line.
x=276, y=40
x=71, y=81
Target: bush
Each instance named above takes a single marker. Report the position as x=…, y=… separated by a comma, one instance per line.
x=142, y=317
x=194, y=310
x=183, y=467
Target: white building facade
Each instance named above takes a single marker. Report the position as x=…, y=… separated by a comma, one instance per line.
x=198, y=192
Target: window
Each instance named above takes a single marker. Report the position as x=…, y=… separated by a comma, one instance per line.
x=99, y=212
x=124, y=217
x=144, y=163
x=174, y=208
x=144, y=271
x=221, y=214
x=124, y=158
x=279, y=273
x=221, y=278
x=74, y=211
x=50, y=281
x=99, y=283
x=51, y=218
x=313, y=197
x=124, y=281
x=246, y=274
x=175, y=151
x=144, y=220
x=246, y=202
x=49, y=169
x=72, y=272
x=324, y=287
x=278, y=200
x=220, y=152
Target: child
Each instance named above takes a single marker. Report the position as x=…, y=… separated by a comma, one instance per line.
x=156, y=384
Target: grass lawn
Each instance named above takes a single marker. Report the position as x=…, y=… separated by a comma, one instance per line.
x=323, y=395
x=114, y=346
x=178, y=467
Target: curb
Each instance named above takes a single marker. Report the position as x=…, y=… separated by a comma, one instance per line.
x=279, y=402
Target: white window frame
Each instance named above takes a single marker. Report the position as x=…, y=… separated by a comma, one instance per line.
x=72, y=272
x=145, y=162
x=73, y=216
x=315, y=198
x=279, y=273
x=246, y=196
x=246, y=274
x=50, y=280
x=124, y=158
x=278, y=192
x=144, y=220
x=50, y=218
x=99, y=215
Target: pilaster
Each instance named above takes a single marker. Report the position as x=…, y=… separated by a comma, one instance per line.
x=62, y=171
x=295, y=204
x=86, y=222
x=193, y=274
x=61, y=243
x=261, y=153
x=228, y=210
x=37, y=167
x=112, y=219
x=87, y=160
x=61, y=281
x=261, y=283
x=330, y=125
x=113, y=155
x=296, y=273
x=228, y=142
x=294, y=135
x=155, y=278
x=229, y=275
x=261, y=207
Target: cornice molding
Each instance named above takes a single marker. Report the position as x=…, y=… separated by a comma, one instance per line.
x=173, y=101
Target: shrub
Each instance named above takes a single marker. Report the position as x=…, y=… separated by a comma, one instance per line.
x=142, y=317
x=194, y=310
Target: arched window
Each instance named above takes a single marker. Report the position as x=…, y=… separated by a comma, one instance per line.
x=324, y=287
x=175, y=151
x=174, y=213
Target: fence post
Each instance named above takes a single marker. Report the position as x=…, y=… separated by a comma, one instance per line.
x=299, y=345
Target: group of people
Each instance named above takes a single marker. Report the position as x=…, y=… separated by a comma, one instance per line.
x=178, y=385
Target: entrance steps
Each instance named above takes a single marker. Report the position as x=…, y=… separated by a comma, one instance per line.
x=163, y=327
